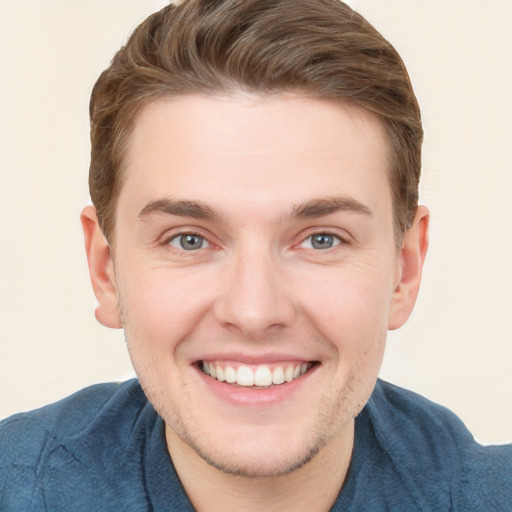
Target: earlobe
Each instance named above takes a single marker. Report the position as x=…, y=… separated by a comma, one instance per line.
x=409, y=269
x=101, y=269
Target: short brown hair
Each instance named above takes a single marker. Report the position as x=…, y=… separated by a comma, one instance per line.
x=319, y=48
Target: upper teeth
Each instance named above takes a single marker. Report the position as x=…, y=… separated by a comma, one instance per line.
x=262, y=376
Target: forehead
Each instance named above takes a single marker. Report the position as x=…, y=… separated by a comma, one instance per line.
x=255, y=149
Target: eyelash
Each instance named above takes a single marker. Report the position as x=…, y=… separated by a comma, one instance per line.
x=326, y=236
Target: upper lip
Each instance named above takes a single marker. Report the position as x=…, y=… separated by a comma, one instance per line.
x=254, y=359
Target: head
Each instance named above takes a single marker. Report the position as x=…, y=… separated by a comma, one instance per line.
x=320, y=49
x=254, y=174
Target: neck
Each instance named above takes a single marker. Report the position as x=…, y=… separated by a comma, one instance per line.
x=313, y=487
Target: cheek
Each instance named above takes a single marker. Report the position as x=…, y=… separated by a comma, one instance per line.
x=348, y=304
x=159, y=309
x=350, y=310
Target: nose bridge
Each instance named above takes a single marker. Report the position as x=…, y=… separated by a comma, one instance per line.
x=255, y=297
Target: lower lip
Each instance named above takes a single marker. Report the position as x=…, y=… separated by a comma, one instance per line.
x=253, y=396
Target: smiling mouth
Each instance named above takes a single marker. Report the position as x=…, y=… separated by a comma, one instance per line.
x=261, y=376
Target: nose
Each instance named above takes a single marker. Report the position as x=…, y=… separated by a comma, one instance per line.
x=255, y=298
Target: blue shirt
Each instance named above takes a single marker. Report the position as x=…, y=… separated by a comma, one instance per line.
x=103, y=449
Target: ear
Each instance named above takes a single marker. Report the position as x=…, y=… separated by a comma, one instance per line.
x=101, y=269
x=409, y=267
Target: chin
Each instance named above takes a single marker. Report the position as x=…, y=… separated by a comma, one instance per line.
x=260, y=462
x=249, y=451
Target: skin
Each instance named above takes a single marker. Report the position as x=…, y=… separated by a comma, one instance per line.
x=263, y=175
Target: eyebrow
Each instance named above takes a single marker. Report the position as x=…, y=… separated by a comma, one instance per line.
x=310, y=209
x=328, y=205
x=193, y=209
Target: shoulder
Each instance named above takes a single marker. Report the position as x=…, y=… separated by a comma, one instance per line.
x=23, y=432
x=35, y=443
x=432, y=450
x=67, y=418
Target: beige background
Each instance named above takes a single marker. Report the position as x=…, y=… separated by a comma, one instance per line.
x=457, y=347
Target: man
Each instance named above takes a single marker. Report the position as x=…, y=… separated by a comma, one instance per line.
x=255, y=232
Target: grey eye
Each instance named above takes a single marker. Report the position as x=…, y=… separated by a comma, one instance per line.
x=188, y=242
x=321, y=241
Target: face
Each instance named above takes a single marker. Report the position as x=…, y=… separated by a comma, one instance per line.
x=256, y=272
